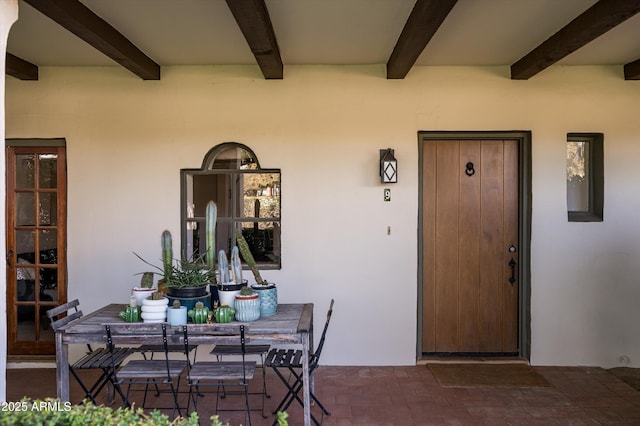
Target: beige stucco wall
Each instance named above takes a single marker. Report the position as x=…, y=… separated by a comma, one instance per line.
x=323, y=126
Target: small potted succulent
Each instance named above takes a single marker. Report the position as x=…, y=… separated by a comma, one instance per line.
x=145, y=289
x=177, y=314
x=267, y=291
x=247, y=305
x=154, y=308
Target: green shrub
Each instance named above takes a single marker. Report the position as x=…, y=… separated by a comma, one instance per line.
x=52, y=412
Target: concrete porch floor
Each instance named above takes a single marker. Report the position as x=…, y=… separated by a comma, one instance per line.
x=412, y=396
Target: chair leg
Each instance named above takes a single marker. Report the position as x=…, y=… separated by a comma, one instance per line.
x=286, y=383
x=247, y=411
x=100, y=384
x=176, y=405
x=146, y=389
x=293, y=394
x=87, y=392
x=194, y=394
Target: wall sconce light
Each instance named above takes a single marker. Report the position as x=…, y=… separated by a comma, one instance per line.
x=388, y=166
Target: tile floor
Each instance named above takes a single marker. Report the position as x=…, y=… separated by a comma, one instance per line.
x=412, y=396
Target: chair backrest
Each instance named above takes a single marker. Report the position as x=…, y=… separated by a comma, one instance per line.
x=57, y=315
x=315, y=357
x=218, y=334
x=136, y=333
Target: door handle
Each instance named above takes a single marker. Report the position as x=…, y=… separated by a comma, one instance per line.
x=9, y=255
x=512, y=265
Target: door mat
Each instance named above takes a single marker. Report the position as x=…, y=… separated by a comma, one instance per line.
x=489, y=375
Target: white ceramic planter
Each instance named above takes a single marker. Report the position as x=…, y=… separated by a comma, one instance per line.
x=228, y=297
x=160, y=316
x=154, y=310
x=150, y=302
x=142, y=293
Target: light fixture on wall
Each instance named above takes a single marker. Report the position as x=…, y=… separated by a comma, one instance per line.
x=388, y=166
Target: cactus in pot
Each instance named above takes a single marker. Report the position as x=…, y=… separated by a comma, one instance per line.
x=147, y=280
x=248, y=257
x=228, y=288
x=167, y=253
x=247, y=305
x=210, y=234
x=223, y=265
x=267, y=291
x=236, y=266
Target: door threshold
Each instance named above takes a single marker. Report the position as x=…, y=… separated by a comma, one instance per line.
x=31, y=361
x=426, y=360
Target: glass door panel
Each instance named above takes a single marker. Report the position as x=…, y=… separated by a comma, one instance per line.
x=36, y=265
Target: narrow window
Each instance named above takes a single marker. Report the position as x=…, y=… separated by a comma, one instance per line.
x=585, y=177
x=247, y=196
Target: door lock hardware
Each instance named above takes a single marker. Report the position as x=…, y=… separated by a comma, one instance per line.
x=512, y=265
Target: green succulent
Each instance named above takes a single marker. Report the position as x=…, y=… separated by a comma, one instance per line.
x=246, y=291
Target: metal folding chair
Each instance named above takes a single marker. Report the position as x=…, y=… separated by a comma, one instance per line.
x=164, y=371
x=219, y=374
x=94, y=359
x=291, y=360
x=261, y=350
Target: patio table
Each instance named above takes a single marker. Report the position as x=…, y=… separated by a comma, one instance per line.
x=292, y=324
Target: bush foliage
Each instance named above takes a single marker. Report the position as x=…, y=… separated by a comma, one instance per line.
x=52, y=412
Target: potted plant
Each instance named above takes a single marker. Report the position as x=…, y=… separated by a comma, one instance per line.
x=184, y=280
x=154, y=308
x=231, y=281
x=145, y=289
x=268, y=293
x=247, y=305
x=176, y=314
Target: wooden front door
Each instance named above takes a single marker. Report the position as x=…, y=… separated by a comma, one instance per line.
x=470, y=246
x=36, y=243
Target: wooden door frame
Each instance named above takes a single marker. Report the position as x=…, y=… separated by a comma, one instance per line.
x=524, y=224
x=48, y=143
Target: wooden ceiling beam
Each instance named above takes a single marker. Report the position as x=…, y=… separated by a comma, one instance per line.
x=21, y=69
x=632, y=70
x=253, y=19
x=595, y=21
x=81, y=21
x=423, y=22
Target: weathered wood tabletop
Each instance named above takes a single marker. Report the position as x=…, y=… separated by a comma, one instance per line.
x=293, y=323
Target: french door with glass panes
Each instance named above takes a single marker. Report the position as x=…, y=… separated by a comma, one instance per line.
x=36, y=245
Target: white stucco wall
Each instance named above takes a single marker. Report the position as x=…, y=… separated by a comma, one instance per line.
x=323, y=126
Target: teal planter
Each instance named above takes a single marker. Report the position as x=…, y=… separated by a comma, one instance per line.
x=247, y=308
x=268, y=299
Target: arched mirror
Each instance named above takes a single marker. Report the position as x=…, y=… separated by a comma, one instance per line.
x=248, y=198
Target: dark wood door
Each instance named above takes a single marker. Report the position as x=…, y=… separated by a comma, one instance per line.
x=36, y=242
x=470, y=246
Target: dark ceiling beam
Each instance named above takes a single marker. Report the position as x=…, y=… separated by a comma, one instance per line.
x=19, y=68
x=423, y=22
x=595, y=21
x=632, y=70
x=253, y=19
x=81, y=21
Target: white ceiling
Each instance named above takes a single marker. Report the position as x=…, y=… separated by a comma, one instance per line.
x=200, y=32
